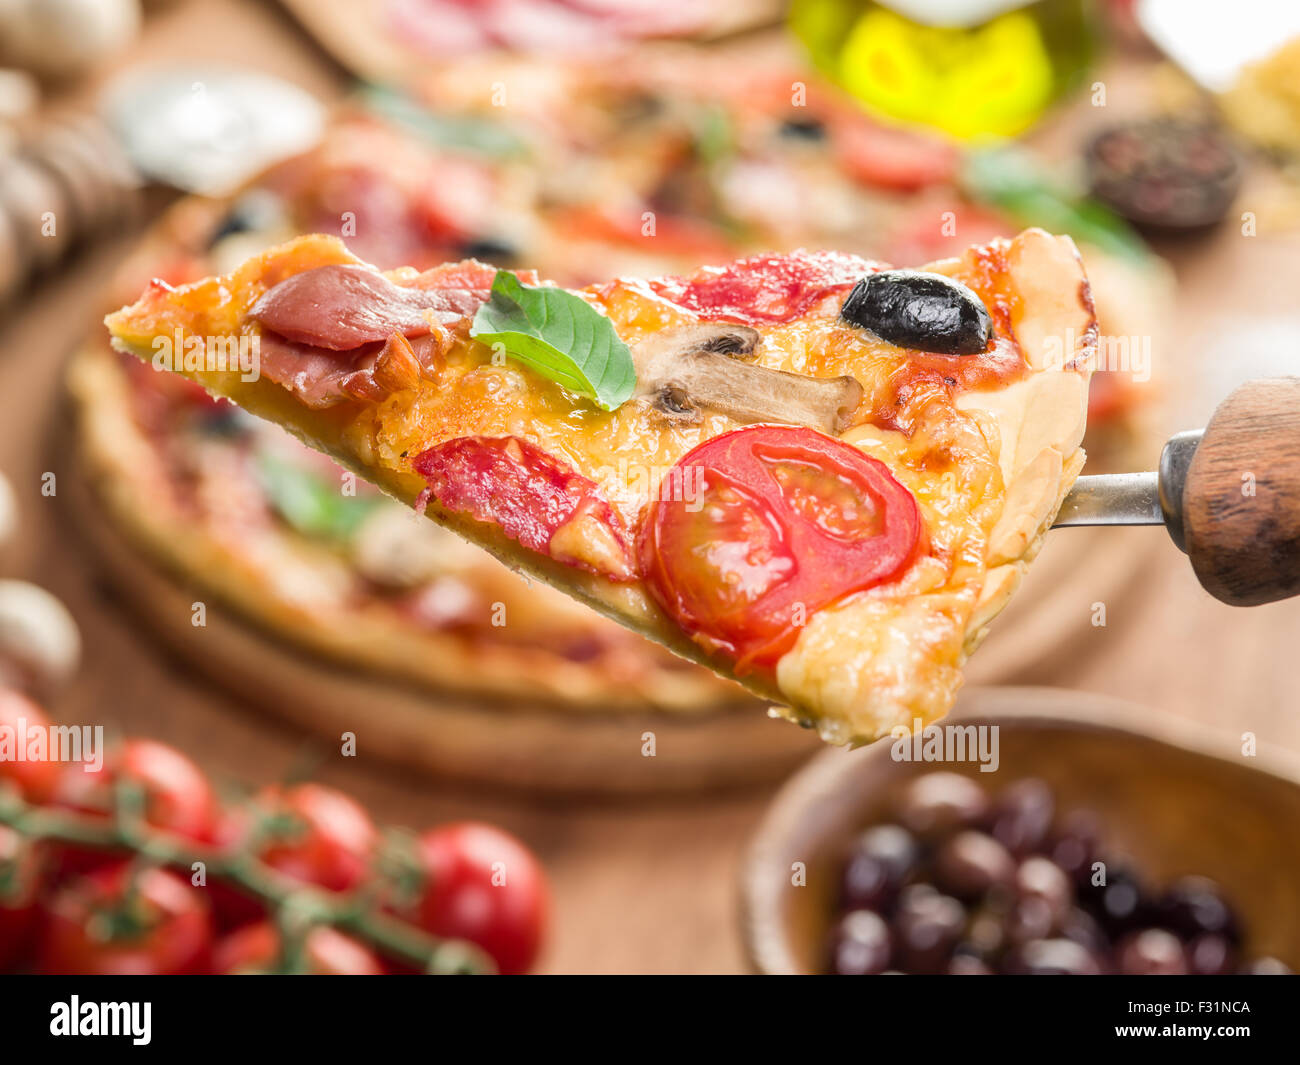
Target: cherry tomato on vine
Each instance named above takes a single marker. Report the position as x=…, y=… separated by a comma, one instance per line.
x=35, y=778
x=484, y=886
x=177, y=796
x=315, y=835
x=21, y=877
x=786, y=522
x=325, y=952
x=123, y=921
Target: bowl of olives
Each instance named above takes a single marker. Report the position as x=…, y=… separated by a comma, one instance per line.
x=1101, y=840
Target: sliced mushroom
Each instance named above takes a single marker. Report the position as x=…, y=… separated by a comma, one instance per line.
x=682, y=372
x=397, y=549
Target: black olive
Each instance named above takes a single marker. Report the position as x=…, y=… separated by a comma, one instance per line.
x=225, y=420
x=640, y=107
x=803, y=129
x=926, y=312
x=495, y=250
x=254, y=211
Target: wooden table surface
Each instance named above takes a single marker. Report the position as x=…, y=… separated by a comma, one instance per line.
x=646, y=886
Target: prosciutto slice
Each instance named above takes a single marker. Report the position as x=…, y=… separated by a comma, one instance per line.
x=343, y=306
x=345, y=331
x=320, y=377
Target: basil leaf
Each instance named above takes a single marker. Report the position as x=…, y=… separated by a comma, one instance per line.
x=468, y=133
x=714, y=135
x=1012, y=182
x=559, y=336
x=309, y=504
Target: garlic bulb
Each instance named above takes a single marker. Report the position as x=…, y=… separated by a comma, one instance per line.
x=62, y=38
x=40, y=646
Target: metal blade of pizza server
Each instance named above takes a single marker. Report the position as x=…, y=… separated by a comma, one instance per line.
x=1113, y=499
x=1154, y=497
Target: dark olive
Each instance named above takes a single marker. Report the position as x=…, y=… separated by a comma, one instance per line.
x=494, y=250
x=965, y=963
x=860, y=945
x=1039, y=878
x=926, y=312
x=1022, y=816
x=939, y=803
x=1081, y=927
x=255, y=211
x=1052, y=957
x=804, y=129
x=1211, y=955
x=1075, y=847
x=971, y=863
x=1029, y=918
x=880, y=861
x=1119, y=903
x=986, y=927
x=1152, y=952
x=1194, y=905
x=228, y=421
x=927, y=926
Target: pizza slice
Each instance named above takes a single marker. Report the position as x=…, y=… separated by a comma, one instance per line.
x=809, y=472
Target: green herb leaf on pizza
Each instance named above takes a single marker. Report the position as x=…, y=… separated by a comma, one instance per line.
x=560, y=336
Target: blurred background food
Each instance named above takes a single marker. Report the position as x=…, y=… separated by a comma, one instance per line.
x=587, y=139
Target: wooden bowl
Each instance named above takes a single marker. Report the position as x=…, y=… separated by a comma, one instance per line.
x=1175, y=799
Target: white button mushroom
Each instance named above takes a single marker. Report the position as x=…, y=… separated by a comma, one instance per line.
x=40, y=646
x=398, y=549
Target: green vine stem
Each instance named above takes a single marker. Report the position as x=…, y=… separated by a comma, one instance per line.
x=296, y=907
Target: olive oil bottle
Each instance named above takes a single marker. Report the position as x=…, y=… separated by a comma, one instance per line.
x=976, y=69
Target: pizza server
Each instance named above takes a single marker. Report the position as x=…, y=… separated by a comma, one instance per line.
x=1229, y=494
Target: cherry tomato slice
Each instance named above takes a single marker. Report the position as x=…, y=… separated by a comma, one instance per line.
x=784, y=522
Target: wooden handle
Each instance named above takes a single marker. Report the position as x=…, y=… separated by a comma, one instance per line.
x=1241, y=502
